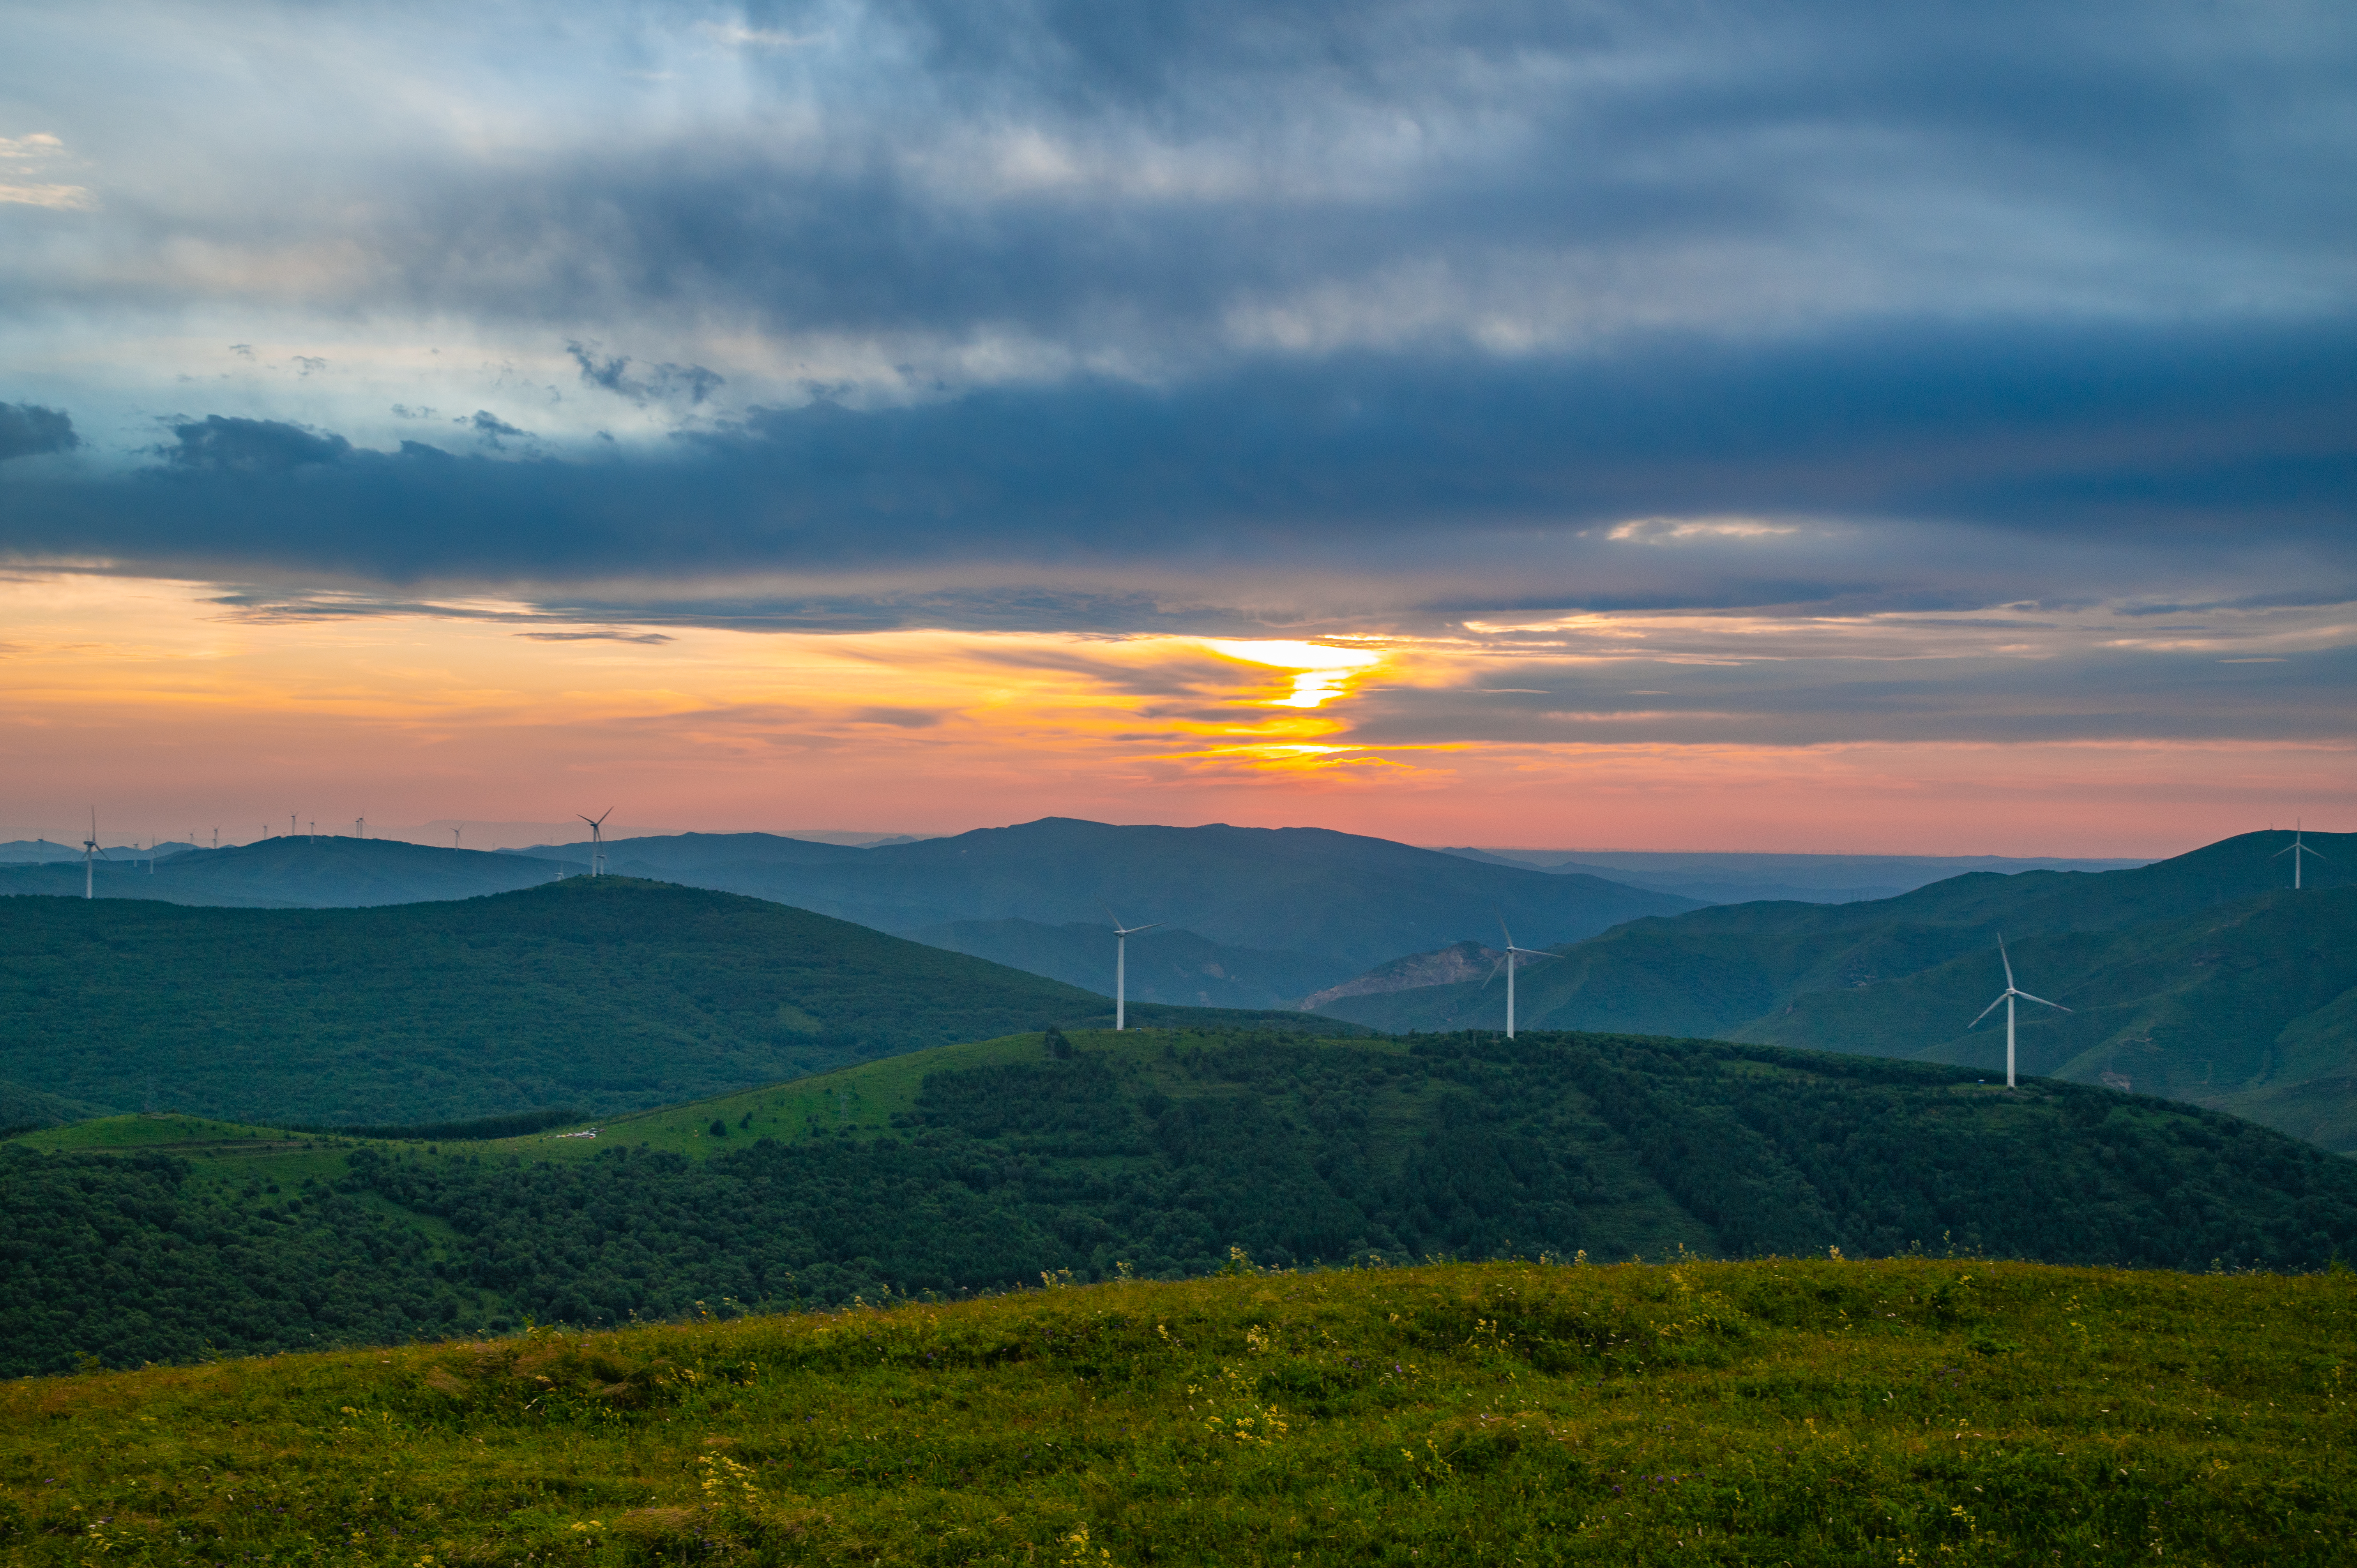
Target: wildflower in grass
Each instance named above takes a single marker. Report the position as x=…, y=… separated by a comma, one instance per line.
x=1076, y=1551
x=722, y=1474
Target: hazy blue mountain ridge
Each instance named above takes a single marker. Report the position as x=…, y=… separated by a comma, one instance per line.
x=1345, y=898
x=1165, y=965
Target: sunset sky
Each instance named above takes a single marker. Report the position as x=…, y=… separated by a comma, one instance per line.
x=1837, y=427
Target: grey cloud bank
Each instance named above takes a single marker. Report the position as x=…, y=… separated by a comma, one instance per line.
x=1213, y=318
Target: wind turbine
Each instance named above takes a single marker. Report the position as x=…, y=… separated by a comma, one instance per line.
x=89, y=849
x=1506, y=962
x=2011, y=991
x=597, y=841
x=458, y=835
x=2295, y=849
x=1121, y=935
x=360, y=827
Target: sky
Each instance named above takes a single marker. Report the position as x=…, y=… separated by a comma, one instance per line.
x=1822, y=427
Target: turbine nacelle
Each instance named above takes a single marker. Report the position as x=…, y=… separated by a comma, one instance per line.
x=597, y=841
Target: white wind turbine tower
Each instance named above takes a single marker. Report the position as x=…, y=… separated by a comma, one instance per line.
x=1506, y=962
x=91, y=853
x=2011, y=991
x=1121, y=935
x=2295, y=849
x=597, y=841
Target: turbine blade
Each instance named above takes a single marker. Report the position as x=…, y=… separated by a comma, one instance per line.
x=2285, y=850
x=1493, y=970
x=2026, y=997
x=1508, y=935
x=2007, y=962
x=1985, y=1013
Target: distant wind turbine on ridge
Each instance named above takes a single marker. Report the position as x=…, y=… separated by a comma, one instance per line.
x=1121, y=935
x=2011, y=991
x=2295, y=849
x=1506, y=962
x=90, y=854
x=597, y=841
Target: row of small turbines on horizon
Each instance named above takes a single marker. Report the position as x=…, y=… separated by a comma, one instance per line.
x=92, y=852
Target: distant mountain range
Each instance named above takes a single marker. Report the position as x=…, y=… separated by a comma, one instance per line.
x=2203, y=978
x=1249, y=916
x=1734, y=878
x=1344, y=901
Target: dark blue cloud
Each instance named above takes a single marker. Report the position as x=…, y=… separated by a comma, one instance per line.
x=248, y=448
x=29, y=430
x=2194, y=447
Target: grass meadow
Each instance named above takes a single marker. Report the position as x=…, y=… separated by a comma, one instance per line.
x=1813, y=1411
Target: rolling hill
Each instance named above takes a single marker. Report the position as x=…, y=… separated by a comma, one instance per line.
x=607, y=994
x=2201, y=977
x=981, y=1167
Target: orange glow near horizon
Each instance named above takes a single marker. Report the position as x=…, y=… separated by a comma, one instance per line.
x=170, y=710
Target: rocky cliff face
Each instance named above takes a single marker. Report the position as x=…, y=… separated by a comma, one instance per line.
x=1455, y=963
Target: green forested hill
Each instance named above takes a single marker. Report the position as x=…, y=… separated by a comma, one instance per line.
x=2204, y=977
x=605, y=993
x=982, y=1166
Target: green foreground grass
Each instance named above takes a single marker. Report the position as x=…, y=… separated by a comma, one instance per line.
x=1913, y=1411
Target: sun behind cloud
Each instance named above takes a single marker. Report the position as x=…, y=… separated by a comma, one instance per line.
x=1321, y=672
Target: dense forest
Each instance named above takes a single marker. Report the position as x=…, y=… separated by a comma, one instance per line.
x=123, y=1259
x=1084, y=1162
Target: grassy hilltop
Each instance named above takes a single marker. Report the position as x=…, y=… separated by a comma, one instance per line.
x=977, y=1168
x=1787, y=1413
